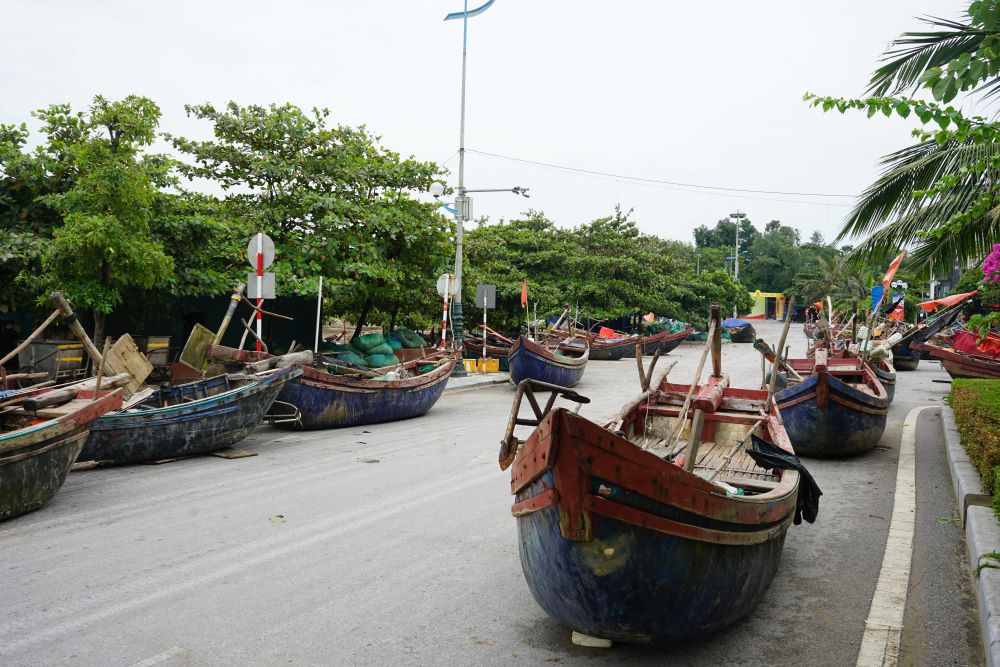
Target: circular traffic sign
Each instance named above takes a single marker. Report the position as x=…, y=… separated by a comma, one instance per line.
x=449, y=280
x=264, y=243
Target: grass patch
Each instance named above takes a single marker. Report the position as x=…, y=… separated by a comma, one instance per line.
x=976, y=404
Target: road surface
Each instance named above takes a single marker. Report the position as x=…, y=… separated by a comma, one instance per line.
x=393, y=545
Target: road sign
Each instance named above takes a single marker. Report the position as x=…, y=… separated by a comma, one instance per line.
x=267, y=287
x=486, y=296
x=446, y=279
x=267, y=246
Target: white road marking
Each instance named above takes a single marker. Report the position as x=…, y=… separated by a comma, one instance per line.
x=884, y=626
x=159, y=657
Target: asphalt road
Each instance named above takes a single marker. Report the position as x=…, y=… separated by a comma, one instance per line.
x=393, y=545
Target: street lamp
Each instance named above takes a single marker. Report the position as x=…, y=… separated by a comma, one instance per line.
x=463, y=204
x=737, y=216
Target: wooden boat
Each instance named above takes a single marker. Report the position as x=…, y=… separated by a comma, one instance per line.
x=621, y=544
x=884, y=371
x=613, y=349
x=740, y=331
x=320, y=399
x=534, y=361
x=666, y=343
x=904, y=358
x=839, y=409
x=36, y=452
x=963, y=364
x=187, y=419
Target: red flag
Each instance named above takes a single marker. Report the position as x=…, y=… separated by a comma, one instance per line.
x=524, y=293
x=892, y=270
x=947, y=301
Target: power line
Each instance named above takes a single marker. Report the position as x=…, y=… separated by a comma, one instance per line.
x=652, y=180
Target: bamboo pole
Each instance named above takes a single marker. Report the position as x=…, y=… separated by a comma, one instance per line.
x=34, y=334
x=679, y=426
x=74, y=325
x=234, y=301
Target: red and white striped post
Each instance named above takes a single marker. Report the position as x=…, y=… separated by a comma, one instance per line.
x=260, y=285
x=444, y=313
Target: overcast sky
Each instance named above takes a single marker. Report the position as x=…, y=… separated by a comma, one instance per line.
x=705, y=93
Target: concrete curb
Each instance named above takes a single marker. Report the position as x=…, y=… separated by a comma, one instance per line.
x=982, y=535
x=477, y=385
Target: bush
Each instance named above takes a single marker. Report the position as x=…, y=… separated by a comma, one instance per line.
x=977, y=412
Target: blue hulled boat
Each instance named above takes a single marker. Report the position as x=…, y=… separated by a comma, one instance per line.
x=182, y=420
x=531, y=361
x=619, y=542
x=325, y=400
x=839, y=409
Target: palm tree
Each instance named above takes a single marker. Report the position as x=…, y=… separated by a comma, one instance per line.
x=888, y=212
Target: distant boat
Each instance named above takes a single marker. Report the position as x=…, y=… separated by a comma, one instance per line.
x=38, y=445
x=667, y=342
x=964, y=364
x=740, y=331
x=839, y=409
x=563, y=366
x=187, y=419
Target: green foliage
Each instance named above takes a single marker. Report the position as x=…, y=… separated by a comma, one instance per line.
x=723, y=235
x=103, y=245
x=977, y=413
x=607, y=268
x=942, y=192
x=972, y=279
x=335, y=201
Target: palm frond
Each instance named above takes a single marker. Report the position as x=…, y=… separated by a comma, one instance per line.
x=915, y=52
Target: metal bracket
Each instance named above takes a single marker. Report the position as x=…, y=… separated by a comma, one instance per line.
x=294, y=418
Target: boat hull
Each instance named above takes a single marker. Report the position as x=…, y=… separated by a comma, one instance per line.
x=335, y=401
x=613, y=352
x=653, y=588
x=198, y=427
x=846, y=423
x=887, y=377
x=962, y=364
x=745, y=334
x=667, y=344
x=904, y=358
x=656, y=556
x=528, y=360
x=34, y=465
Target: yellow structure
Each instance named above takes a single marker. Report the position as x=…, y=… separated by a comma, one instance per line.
x=766, y=306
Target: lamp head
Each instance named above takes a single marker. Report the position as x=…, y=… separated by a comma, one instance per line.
x=436, y=189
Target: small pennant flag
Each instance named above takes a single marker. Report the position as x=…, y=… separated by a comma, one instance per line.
x=892, y=270
x=524, y=293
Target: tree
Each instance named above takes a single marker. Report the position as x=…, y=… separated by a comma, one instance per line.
x=723, y=235
x=774, y=258
x=940, y=193
x=103, y=246
x=336, y=203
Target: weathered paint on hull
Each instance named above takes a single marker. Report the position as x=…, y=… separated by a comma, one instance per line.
x=888, y=380
x=904, y=358
x=29, y=483
x=850, y=423
x=613, y=353
x=963, y=365
x=957, y=369
x=198, y=427
x=326, y=405
x=529, y=364
x=666, y=343
x=745, y=334
x=34, y=461
x=634, y=585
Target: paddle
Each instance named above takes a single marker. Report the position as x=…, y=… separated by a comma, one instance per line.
x=679, y=426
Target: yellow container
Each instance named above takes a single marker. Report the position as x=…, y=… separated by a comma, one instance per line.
x=477, y=365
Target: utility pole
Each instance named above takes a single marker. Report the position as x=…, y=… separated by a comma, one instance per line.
x=738, y=216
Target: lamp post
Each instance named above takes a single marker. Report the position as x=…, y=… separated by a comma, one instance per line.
x=737, y=216
x=463, y=203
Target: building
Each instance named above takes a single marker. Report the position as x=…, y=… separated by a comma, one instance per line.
x=766, y=306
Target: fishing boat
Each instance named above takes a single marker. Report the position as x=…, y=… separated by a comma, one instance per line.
x=187, y=419
x=38, y=445
x=963, y=364
x=619, y=542
x=497, y=347
x=905, y=358
x=352, y=397
x=561, y=364
x=667, y=342
x=839, y=408
x=883, y=369
x=740, y=331
x=613, y=349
